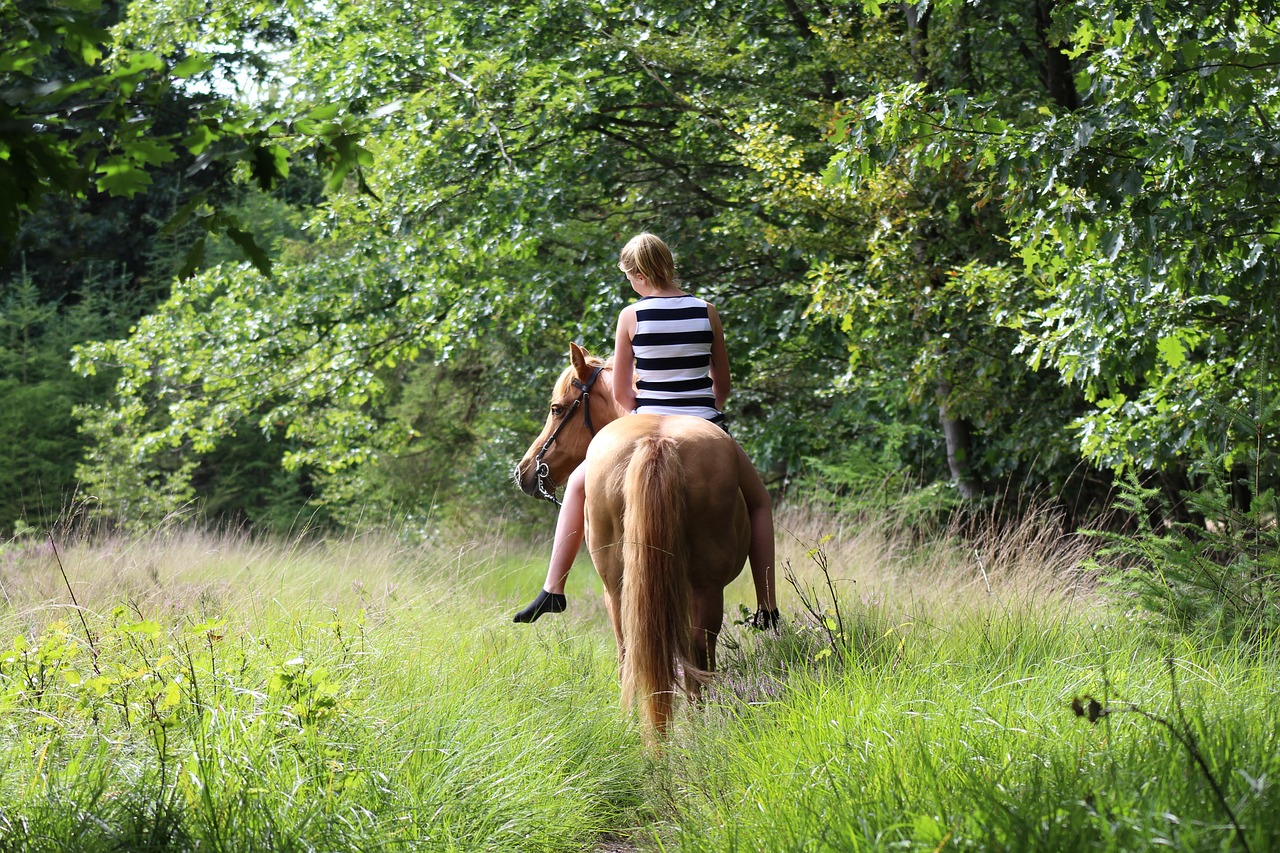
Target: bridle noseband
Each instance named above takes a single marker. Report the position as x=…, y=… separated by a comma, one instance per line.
x=541, y=469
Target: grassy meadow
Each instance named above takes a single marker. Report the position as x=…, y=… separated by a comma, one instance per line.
x=194, y=690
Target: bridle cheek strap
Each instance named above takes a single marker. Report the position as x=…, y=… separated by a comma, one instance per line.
x=583, y=401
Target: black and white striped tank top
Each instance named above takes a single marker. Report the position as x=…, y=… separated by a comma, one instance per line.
x=672, y=346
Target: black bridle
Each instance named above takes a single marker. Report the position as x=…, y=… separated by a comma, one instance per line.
x=541, y=469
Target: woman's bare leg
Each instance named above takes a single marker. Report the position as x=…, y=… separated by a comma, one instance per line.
x=761, y=553
x=570, y=525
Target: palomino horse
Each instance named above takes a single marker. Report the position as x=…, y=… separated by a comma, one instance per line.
x=667, y=527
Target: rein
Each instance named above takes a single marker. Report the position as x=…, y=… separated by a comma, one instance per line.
x=542, y=470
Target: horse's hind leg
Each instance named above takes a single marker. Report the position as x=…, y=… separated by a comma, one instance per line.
x=614, y=606
x=708, y=613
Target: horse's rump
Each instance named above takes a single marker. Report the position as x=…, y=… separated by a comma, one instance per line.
x=667, y=527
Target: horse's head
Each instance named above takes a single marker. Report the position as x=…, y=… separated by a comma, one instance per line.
x=581, y=403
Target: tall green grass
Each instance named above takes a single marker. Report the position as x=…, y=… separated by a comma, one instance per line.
x=229, y=693
x=933, y=711
x=964, y=738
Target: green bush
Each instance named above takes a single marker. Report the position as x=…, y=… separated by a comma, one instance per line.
x=1211, y=562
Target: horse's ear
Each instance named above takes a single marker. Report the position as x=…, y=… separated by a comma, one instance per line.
x=578, y=358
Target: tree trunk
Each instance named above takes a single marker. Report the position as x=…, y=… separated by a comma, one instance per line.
x=959, y=440
x=1241, y=488
x=1058, y=78
x=918, y=40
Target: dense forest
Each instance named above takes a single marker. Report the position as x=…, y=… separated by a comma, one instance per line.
x=273, y=262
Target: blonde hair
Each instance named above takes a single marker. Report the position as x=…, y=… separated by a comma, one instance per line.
x=645, y=254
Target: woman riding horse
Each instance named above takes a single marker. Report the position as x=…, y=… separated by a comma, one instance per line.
x=667, y=529
x=672, y=344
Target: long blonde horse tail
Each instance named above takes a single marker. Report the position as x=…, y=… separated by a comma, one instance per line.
x=656, y=623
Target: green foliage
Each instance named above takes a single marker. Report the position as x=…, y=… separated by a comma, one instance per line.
x=242, y=481
x=40, y=452
x=915, y=271
x=857, y=484
x=87, y=110
x=986, y=217
x=1140, y=199
x=42, y=444
x=506, y=182
x=455, y=464
x=1210, y=563
x=1218, y=573
x=125, y=172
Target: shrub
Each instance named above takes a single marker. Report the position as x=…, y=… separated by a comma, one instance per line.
x=1213, y=562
